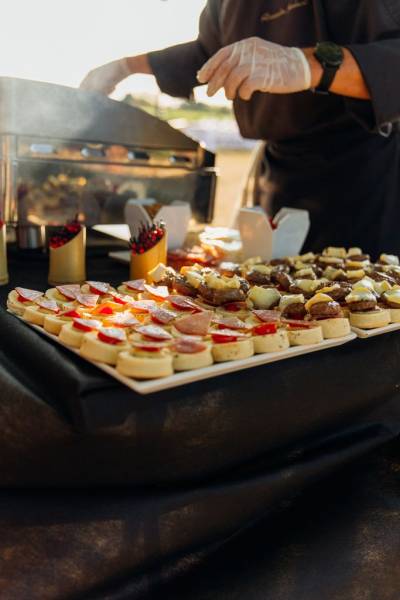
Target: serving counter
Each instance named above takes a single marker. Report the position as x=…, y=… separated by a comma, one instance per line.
x=106, y=490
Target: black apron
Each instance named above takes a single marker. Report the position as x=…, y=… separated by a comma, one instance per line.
x=347, y=178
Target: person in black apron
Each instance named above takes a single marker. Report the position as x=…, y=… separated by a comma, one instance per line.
x=335, y=154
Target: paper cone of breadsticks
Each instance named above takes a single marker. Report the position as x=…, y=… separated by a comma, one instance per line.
x=141, y=264
x=68, y=262
x=3, y=255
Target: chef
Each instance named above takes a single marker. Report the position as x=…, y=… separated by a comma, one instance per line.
x=316, y=79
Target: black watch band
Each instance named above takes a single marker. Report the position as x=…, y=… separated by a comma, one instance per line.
x=331, y=57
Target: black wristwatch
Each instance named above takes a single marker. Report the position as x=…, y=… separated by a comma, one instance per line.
x=331, y=57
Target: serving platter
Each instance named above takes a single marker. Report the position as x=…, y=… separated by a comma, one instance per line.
x=369, y=333
x=215, y=370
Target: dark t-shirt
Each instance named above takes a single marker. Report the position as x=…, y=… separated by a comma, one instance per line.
x=325, y=153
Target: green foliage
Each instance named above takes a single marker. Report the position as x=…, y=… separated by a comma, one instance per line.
x=191, y=111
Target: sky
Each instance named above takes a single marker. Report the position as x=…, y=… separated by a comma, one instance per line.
x=59, y=41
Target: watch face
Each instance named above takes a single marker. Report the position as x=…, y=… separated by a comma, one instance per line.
x=329, y=53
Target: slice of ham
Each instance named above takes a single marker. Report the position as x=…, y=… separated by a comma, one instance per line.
x=25, y=295
x=183, y=303
x=223, y=336
x=136, y=285
x=124, y=319
x=120, y=298
x=230, y=323
x=98, y=287
x=154, y=332
x=267, y=316
x=69, y=291
x=50, y=305
x=143, y=306
x=86, y=324
x=88, y=300
x=162, y=316
x=187, y=345
x=160, y=292
x=197, y=324
x=112, y=335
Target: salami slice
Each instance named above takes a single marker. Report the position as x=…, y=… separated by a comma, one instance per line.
x=148, y=346
x=296, y=324
x=197, y=324
x=50, y=305
x=86, y=324
x=154, y=332
x=136, y=285
x=234, y=306
x=160, y=292
x=224, y=336
x=267, y=316
x=98, y=287
x=25, y=295
x=112, y=335
x=124, y=319
x=69, y=291
x=88, y=300
x=187, y=345
x=183, y=303
x=231, y=323
x=143, y=306
x=162, y=316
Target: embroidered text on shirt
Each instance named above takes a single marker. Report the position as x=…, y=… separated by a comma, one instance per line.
x=284, y=11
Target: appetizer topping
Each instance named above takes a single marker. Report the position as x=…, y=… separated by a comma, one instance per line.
x=293, y=299
x=389, y=259
x=86, y=324
x=112, y=335
x=49, y=305
x=392, y=298
x=309, y=257
x=265, y=298
x=69, y=291
x=183, y=303
x=359, y=274
x=308, y=286
x=354, y=252
x=264, y=269
x=124, y=319
x=361, y=300
x=187, y=345
x=194, y=278
x=230, y=323
x=335, y=252
x=158, y=273
x=121, y=298
x=333, y=274
x=329, y=288
x=70, y=314
x=305, y=274
x=299, y=324
x=265, y=329
x=153, y=332
x=197, y=324
x=365, y=283
x=162, y=316
x=98, y=287
x=136, y=285
x=160, y=292
x=282, y=279
x=330, y=260
x=146, y=346
x=216, y=281
x=88, y=300
x=229, y=268
x=266, y=316
x=143, y=306
x=103, y=309
x=25, y=295
x=224, y=336
x=317, y=299
x=381, y=286
x=356, y=264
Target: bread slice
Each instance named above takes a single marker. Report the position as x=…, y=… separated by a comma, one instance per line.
x=371, y=319
x=144, y=367
x=273, y=342
x=335, y=328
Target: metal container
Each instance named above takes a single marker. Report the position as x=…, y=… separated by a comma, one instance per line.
x=65, y=152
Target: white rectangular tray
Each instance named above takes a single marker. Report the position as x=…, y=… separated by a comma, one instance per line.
x=368, y=333
x=158, y=385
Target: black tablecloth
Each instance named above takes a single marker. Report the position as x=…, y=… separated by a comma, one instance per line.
x=103, y=489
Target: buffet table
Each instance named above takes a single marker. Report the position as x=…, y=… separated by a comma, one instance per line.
x=107, y=490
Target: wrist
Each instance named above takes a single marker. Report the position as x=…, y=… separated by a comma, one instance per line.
x=315, y=67
x=139, y=64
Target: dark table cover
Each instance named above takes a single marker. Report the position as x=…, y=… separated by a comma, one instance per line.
x=106, y=493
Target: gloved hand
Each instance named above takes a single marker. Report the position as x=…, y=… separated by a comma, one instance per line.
x=256, y=65
x=104, y=79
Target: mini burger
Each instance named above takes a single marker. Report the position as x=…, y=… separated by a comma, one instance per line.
x=329, y=315
x=364, y=310
x=391, y=299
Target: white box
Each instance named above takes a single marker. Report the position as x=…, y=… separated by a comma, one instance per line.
x=259, y=238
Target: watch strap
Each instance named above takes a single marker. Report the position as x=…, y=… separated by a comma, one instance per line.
x=328, y=75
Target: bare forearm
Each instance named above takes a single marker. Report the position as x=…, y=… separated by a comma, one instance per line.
x=139, y=64
x=349, y=80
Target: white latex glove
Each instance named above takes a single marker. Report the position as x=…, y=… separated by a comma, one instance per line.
x=104, y=79
x=253, y=65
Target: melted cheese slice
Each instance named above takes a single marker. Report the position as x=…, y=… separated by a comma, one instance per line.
x=329, y=260
x=292, y=299
x=220, y=282
x=355, y=274
x=382, y=286
x=389, y=259
x=307, y=285
x=364, y=284
x=194, y=278
x=335, y=252
x=329, y=288
x=264, y=269
x=357, y=264
x=158, y=273
x=393, y=296
x=360, y=295
x=309, y=257
x=307, y=272
x=333, y=274
x=263, y=297
x=317, y=299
